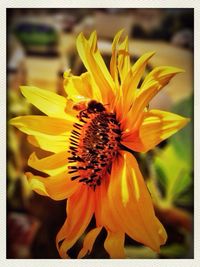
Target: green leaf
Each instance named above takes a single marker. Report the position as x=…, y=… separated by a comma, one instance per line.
x=173, y=251
x=183, y=140
x=161, y=175
x=172, y=174
x=182, y=183
x=185, y=199
x=140, y=253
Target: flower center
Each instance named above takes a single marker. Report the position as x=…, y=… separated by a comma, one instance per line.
x=93, y=144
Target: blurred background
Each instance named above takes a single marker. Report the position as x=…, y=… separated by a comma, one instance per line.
x=40, y=47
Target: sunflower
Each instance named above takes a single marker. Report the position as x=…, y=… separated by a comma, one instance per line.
x=92, y=133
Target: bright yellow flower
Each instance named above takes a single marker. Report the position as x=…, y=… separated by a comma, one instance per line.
x=91, y=134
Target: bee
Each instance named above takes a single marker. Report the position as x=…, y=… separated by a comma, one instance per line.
x=95, y=107
x=82, y=105
x=86, y=108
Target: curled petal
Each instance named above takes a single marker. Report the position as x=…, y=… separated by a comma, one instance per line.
x=37, y=125
x=95, y=65
x=80, y=208
x=162, y=75
x=156, y=126
x=152, y=84
x=81, y=88
x=57, y=187
x=135, y=74
x=113, y=61
x=133, y=206
x=52, y=164
x=89, y=242
x=48, y=102
x=99, y=59
x=124, y=65
x=51, y=143
x=132, y=80
x=114, y=245
x=118, y=62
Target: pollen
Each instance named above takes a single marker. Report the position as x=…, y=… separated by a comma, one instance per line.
x=94, y=144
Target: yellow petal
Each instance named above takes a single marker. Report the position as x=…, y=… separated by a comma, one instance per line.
x=137, y=217
x=91, y=86
x=80, y=208
x=95, y=65
x=114, y=245
x=117, y=103
x=99, y=60
x=81, y=85
x=161, y=232
x=89, y=242
x=124, y=65
x=124, y=186
x=132, y=80
x=103, y=212
x=156, y=126
x=161, y=74
x=48, y=102
x=142, y=99
x=52, y=164
x=152, y=84
x=113, y=61
x=81, y=88
x=50, y=142
x=57, y=187
x=36, y=125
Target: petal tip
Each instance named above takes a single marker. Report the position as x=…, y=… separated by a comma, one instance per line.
x=80, y=37
x=32, y=159
x=67, y=73
x=14, y=121
x=181, y=70
x=174, y=70
x=94, y=33
x=152, y=53
x=120, y=31
x=26, y=88
x=119, y=34
x=23, y=87
x=178, y=70
x=185, y=121
x=36, y=185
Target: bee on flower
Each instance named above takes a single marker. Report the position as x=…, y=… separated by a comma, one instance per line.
x=91, y=133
